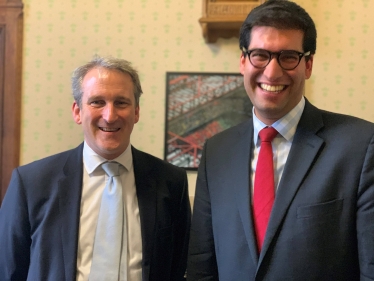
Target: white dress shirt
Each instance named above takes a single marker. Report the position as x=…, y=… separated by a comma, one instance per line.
x=94, y=180
x=286, y=127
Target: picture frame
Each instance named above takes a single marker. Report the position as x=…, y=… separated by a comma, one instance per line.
x=198, y=106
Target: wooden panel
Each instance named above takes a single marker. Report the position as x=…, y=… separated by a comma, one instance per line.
x=223, y=18
x=10, y=87
x=2, y=69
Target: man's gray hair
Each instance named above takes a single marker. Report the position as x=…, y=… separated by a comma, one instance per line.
x=108, y=63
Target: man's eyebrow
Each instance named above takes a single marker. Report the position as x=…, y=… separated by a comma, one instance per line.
x=122, y=98
x=103, y=96
x=94, y=97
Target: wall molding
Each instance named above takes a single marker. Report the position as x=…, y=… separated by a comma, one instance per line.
x=11, y=33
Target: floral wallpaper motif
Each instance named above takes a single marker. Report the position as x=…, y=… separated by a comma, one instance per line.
x=160, y=36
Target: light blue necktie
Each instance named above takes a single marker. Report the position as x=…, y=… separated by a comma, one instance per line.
x=106, y=258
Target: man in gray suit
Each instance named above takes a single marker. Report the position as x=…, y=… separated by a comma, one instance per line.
x=50, y=212
x=320, y=224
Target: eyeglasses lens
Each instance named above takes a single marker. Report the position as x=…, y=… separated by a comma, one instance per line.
x=287, y=59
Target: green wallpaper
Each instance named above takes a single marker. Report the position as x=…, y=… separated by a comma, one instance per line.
x=164, y=35
x=156, y=36
x=342, y=80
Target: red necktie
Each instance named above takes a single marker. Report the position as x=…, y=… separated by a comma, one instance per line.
x=264, y=185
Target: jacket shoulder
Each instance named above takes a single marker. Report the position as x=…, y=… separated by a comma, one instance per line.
x=230, y=136
x=52, y=164
x=154, y=163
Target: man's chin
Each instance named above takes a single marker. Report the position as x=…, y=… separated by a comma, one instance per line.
x=111, y=152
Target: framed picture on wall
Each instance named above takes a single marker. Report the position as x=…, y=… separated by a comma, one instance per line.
x=198, y=106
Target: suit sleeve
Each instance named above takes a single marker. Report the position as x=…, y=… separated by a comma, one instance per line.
x=181, y=233
x=365, y=216
x=202, y=263
x=15, y=237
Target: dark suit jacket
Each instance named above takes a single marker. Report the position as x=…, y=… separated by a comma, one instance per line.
x=322, y=223
x=39, y=218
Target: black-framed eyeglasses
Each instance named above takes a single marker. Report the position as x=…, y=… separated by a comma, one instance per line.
x=287, y=59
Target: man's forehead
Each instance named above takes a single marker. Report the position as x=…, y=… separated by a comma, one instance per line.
x=104, y=75
x=98, y=73
x=269, y=34
x=278, y=28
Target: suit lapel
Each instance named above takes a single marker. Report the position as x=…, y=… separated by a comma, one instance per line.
x=240, y=170
x=146, y=192
x=70, y=191
x=304, y=150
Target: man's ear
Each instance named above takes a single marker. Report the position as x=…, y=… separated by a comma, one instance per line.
x=242, y=63
x=76, y=113
x=137, y=109
x=309, y=67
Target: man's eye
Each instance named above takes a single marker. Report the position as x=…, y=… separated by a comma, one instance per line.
x=122, y=103
x=96, y=102
x=260, y=56
x=290, y=57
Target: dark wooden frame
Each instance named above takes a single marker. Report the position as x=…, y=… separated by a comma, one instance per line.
x=199, y=105
x=11, y=29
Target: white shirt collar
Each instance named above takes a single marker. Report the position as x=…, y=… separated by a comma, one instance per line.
x=286, y=126
x=92, y=160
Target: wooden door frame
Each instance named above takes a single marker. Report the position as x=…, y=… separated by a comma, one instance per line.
x=11, y=29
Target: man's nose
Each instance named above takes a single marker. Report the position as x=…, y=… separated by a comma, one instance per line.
x=273, y=70
x=110, y=113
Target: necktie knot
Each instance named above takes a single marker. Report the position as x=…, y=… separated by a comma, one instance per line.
x=267, y=134
x=111, y=168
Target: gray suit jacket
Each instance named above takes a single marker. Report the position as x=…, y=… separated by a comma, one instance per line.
x=39, y=218
x=322, y=222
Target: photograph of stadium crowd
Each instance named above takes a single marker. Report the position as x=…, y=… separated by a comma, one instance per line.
x=198, y=106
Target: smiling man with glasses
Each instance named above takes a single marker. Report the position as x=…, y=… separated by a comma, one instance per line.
x=287, y=195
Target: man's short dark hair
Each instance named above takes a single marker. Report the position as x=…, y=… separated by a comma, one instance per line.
x=280, y=14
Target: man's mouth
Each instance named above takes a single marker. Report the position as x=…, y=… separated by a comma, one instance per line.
x=105, y=129
x=272, y=88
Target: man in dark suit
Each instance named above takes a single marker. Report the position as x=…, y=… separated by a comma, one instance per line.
x=49, y=215
x=320, y=225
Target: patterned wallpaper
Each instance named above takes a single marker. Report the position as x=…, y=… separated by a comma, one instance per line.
x=164, y=35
